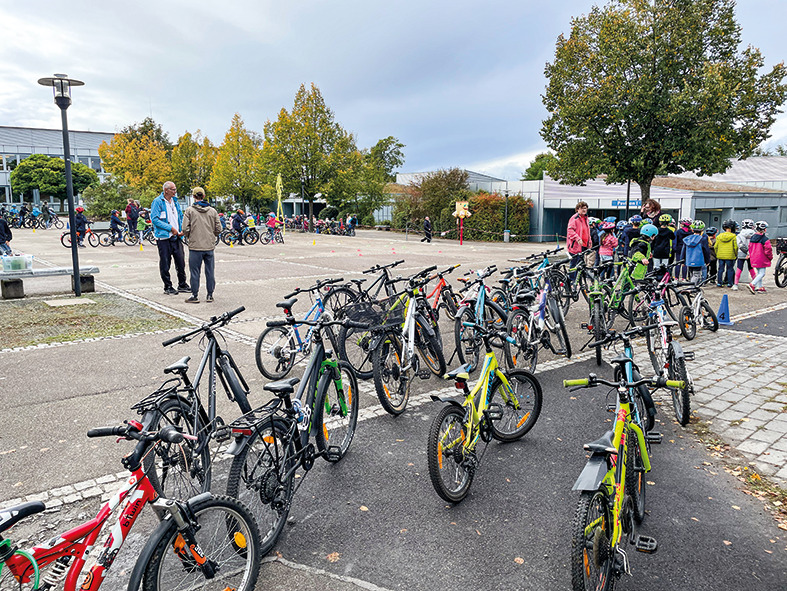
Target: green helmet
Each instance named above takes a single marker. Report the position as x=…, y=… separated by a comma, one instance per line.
x=665, y=218
x=698, y=225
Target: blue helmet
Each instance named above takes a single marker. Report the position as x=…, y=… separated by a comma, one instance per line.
x=620, y=225
x=610, y=218
x=636, y=219
x=649, y=230
x=712, y=231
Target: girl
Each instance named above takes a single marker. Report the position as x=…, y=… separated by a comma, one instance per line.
x=607, y=245
x=760, y=255
x=747, y=231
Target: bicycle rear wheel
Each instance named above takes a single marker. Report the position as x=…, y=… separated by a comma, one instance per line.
x=556, y=324
x=468, y=342
x=599, y=326
x=228, y=542
x=391, y=380
x=65, y=239
x=636, y=481
x=687, y=323
x=430, y=349
x=275, y=352
x=708, y=316
x=449, y=303
x=639, y=308
x=656, y=350
x=355, y=349
x=336, y=409
x=592, y=557
x=105, y=239
x=521, y=406
x=680, y=396
x=337, y=299
x=780, y=271
x=521, y=354
x=449, y=471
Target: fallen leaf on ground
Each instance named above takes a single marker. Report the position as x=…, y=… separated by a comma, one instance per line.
x=519, y=560
x=333, y=557
x=478, y=532
x=694, y=519
x=727, y=543
x=736, y=507
x=364, y=508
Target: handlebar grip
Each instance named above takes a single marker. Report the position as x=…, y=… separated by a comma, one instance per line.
x=173, y=340
x=429, y=270
x=235, y=311
x=293, y=294
x=273, y=323
x=108, y=431
x=170, y=434
x=569, y=383
x=679, y=384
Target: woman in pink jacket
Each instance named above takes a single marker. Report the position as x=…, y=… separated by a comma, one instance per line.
x=578, y=235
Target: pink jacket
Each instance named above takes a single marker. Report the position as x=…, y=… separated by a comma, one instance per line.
x=760, y=251
x=578, y=234
x=608, y=244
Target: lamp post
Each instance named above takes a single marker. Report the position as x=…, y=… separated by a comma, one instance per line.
x=506, y=233
x=61, y=85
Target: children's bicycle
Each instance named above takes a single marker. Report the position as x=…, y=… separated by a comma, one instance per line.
x=206, y=542
x=444, y=295
x=503, y=405
x=611, y=479
x=698, y=314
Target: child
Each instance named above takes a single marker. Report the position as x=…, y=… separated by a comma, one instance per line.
x=607, y=245
x=630, y=232
x=640, y=250
x=726, y=248
x=683, y=232
x=115, y=225
x=662, y=243
x=696, y=252
x=711, y=234
x=271, y=224
x=747, y=231
x=593, y=224
x=760, y=255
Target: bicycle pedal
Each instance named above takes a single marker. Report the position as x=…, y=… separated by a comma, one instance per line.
x=424, y=374
x=646, y=544
x=611, y=407
x=494, y=412
x=688, y=355
x=333, y=453
x=584, y=326
x=222, y=434
x=654, y=437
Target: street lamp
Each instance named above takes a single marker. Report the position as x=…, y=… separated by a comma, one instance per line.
x=506, y=233
x=61, y=85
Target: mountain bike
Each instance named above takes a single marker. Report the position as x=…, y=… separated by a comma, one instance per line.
x=181, y=471
x=444, y=295
x=698, y=314
x=278, y=346
x=606, y=510
x=452, y=447
x=272, y=442
x=205, y=542
x=90, y=236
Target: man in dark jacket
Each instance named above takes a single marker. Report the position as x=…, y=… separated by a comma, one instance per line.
x=427, y=230
x=5, y=237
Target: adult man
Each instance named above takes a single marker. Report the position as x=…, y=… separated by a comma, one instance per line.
x=166, y=215
x=201, y=225
x=578, y=235
x=427, y=230
x=5, y=237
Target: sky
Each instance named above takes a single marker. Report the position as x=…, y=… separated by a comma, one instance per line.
x=459, y=83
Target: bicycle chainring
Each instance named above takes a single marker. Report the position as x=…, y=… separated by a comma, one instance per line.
x=485, y=428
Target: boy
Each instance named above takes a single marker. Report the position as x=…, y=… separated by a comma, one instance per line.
x=683, y=232
x=711, y=234
x=630, y=232
x=726, y=248
x=662, y=243
x=696, y=252
x=640, y=251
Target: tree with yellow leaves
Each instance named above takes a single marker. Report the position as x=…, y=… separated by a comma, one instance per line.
x=192, y=161
x=136, y=160
x=236, y=170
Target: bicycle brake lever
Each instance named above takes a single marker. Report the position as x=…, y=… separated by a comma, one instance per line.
x=575, y=388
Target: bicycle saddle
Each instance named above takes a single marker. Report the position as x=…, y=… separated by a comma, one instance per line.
x=282, y=387
x=603, y=444
x=622, y=359
x=460, y=373
x=8, y=517
x=287, y=304
x=526, y=297
x=178, y=366
x=358, y=281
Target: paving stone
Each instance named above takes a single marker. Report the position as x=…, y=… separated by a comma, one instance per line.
x=753, y=448
x=53, y=505
x=782, y=474
x=10, y=503
x=92, y=492
x=718, y=405
x=72, y=498
x=38, y=497
x=774, y=406
x=761, y=415
x=105, y=479
x=764, y=468
x=766, y=435
x=780, y=444
x=731, y=415
x=85, y=484
x=778, y=458
x=63, y=490
x=744, y=407
x=734, y=435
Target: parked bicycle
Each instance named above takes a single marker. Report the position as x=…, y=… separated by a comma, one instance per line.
x=780, y=268
x=443, y=294
x=696, y=311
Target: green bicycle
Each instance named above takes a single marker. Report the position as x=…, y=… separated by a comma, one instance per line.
x=611, y=478
x=451, y=450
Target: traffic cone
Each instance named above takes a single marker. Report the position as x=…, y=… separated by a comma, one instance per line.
x=140, y=247
x=314, y=242
x=724, y=312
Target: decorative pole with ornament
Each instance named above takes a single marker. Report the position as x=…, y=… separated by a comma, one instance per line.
x=462, y=211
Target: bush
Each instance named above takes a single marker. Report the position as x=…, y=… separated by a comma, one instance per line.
x=368, y=220
x=488, y=218
x=329, y=212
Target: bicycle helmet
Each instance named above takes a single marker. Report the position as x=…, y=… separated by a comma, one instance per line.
x=685, y=221
x=647, y=222
x=636, y=219
x=240, y=212
x=593, y=221
x=610, y=218
x=761, y=226
x=698, y=225
x=608, y=226
x=712, y=231
x=80, y=209
x=271, y=215
x=747, y=224
x=649, y=230
x=731, y=224
x=665, y=218
x=620, y=225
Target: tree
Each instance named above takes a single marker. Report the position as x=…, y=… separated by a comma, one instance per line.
x=642, y=87
x=778, y=150
x=386, y=155
x=48, y=175
x=139, y=161
x=150, y=128
x=236, y=171
x=192, y=161
x=435, y=193
x=535, y=172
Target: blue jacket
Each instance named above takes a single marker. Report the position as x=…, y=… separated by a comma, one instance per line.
x=161, y=226
x=695, y=250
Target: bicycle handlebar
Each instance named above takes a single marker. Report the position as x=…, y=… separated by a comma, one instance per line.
x=214, y=321
x=134, y=430
x=290, y=321
x=316, y=287
x=613, y=335
x=376, y=268
x=656, y=381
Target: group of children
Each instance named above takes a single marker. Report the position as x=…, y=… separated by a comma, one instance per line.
x=698, y=247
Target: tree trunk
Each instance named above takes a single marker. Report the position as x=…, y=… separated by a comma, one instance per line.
x=644, y=188
x=311, y=214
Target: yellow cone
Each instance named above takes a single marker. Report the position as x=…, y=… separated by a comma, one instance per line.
x=231, y=243
x=140, y=247
x=314, y=242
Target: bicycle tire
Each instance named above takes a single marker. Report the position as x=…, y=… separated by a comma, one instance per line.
x=592, y=559
x=251, y=236
x=558, y=327
x=636, y=480
x=709, y=318
x=449, y=303
x=131, y=238
x=687, y=323
x=228, y=238
x=451, y=477
x=599, y=327
x=673, y=302
x=271, y=352
x=92, y=239
x=105, y=239
x=656, y=351
x=499, y=297
x=391, y=382
x=562, y=288
x=65, y=239
x=279, y=237
x=639, y=308
x=466, y=339
x=172, y=474
x=59, y=224
x=260, y=477
x=681, y=402
x=355, y=348
x=521, y=414
x=780, y=271
x=430, y=349
x=228, y=536
x=333, y=424
x=337, y=299
x=521, y=354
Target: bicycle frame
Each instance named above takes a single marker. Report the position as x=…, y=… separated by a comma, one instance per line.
x=318, y=308
x=437, y=291
x=477, y=400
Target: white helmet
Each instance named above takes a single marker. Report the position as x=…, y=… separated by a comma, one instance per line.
x=747, y=224
x=761, y=226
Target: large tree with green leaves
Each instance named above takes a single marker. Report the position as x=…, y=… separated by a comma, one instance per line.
x=386, y=156
x=192, y=161
x=539, y=164
x=645, y=87
x=48, y=175
x=236, y=171
x=138, y=156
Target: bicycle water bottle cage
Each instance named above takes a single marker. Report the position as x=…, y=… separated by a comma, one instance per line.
x=179, y=366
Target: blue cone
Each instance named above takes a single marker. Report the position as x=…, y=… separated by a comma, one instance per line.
x=724, y=312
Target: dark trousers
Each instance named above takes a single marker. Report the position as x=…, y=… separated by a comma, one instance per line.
x=427, y=236
x=196, y=259
x=170, y=249
x=726, y=275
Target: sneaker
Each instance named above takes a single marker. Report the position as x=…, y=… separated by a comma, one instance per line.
x=751, y=288
x=718, y=285
x=170, y=291
x=192, y=300
x=184, y=289
x=209, y=298
x=761, y=290
x=735, y=287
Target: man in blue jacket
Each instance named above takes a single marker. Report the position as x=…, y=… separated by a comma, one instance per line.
x=167, y=217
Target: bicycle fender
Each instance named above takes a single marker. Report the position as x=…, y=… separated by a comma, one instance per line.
x=678, y=350
x=592, y=474
x=427, y=326
x=464, y=307
x=446, y=400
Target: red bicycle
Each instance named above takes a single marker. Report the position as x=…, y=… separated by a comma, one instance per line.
x=444, y=295
x=207, y=542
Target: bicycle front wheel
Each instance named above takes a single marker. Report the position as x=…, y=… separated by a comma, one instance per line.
x=680, y=396
x=521, y=405
x=522, y=354
x=92, y=239
x=59, y=224
x=131, y=238
x=639, y=308
x=592, y=556
x=599, y=326
x=228, y=545
x=687, y=323
x=780, y=271
x=251, y=237
x=336, y=409
x=557, y=325
x=336, y=300
x=450, y=472
x=275, y=352
x=391, y=380
x=468, y=342
x=636, y=481
x=449, y=303
x=430, y=349
x=709, y=319
x=656, y=350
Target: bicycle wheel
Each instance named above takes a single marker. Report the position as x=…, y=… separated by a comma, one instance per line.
x=228, y=538
x=279, y=237
x=59, y=224
x=251, y=236
x=391, y=381
x=65, y=239
x=451, y=474
x=355, y=349
x=599, y=326
x=636, y=481
x=466, y=338
x=260, y=478
x=449, y=303
x=592, y=557
x=131, y=238
x=521, y=406
x=275, y=352
x=680, y=396
x=562, y=288
x=556, y=324
x=687, y=323
x=499, y=297
x=92, y=239
x=336, y=300
x=105, y=239
x=639, y=308
x=336, y=409
x=179, y=471
x=656, y=350
x=431, y=349
x=674, y=301
x=708, y=316
x=521, y=354
x=780, y=271
x=151, y=237
x=228, y=238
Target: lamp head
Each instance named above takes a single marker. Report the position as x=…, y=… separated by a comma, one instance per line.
x=61, y=86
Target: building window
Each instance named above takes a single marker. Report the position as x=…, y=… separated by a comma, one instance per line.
x=95, y=164
x=84, y=160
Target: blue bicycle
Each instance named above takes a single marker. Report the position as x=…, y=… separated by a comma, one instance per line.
x=278, y=346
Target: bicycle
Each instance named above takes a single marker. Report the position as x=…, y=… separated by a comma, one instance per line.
x=697, y=315
x=278, y=237
x=277, y=346
x=667, y=289
x=512, y=284
x=611, y=478
x=91, y=237
x=444, y=295
x=271, y=442
x=231, y=237
x=185, y=470
x=108, y=237
x=132, y=238
x=780, y=268
x=456, y=430
x=205, y=542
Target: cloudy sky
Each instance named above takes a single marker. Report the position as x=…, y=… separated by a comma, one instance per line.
x=459, y=83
